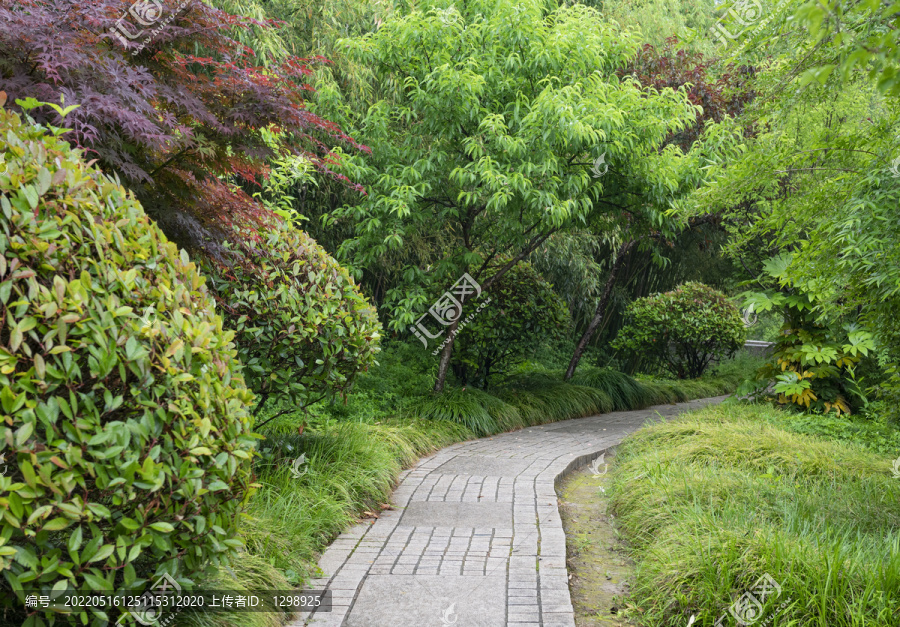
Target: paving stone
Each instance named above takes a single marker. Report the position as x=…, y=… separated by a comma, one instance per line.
x=414, y=600
x=484, y=508
x=482, y=466
x=433, y=513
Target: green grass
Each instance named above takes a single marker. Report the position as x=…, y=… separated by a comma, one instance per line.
x=860, y=431
x=712, y=500
x=355, y=451
x=351, y=468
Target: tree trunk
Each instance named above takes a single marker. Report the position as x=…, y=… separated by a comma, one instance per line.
x=601, y=309
x=444, y=364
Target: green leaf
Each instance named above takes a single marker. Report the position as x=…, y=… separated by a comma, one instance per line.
x=103, y=552
x=57, y=524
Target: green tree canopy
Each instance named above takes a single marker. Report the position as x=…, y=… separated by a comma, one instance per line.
x=500, y=123
x=818, y=187
x=658, y=20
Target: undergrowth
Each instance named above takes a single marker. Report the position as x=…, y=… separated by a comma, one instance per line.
x=354, y=451
x=713, y=500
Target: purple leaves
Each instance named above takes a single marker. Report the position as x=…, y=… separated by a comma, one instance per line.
x=184, y=107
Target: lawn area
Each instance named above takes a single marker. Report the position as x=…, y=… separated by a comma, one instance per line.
x=717, y=499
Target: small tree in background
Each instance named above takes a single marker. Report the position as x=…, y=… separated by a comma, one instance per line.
x=523, y=311
x=683, y=330
x=492, y=117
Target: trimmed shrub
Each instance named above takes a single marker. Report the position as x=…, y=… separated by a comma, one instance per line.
x=683, y=330
x=523, y=311
x=303, y=329
x=124, y=410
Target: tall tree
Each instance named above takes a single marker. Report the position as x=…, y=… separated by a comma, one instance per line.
x=495, y=113
x=817, y=190
x=716, y=97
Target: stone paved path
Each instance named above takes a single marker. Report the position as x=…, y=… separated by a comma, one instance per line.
x=475, y=539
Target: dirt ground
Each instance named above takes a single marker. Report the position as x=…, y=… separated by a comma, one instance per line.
x=599, y=568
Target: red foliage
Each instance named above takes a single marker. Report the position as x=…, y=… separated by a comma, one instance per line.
x=180, y=102
x=674, y=67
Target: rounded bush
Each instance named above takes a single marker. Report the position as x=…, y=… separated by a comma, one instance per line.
x=683, y=330
x=303, y=329
x=522, y=312
x=124, y=411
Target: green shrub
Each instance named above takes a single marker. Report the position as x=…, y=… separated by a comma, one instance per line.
x=683, y=330
x=124, y=422
x=523, y=311
x=813, y=366
x=303, y=329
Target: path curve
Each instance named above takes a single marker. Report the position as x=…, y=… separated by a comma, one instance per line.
x=475, y=538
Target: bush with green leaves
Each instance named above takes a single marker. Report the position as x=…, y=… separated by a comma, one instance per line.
x=523, y=311
x=303, y=329
x=125, y=427
x=816, y=364
x=684, y=330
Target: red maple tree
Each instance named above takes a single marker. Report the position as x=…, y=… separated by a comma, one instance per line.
x=169, y=100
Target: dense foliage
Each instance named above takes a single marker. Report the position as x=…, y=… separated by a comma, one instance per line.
x=493, y=116
x=817, y=188
x=179, y=104
x=660, y=19
x=303, y=329
x=683, y=330
x=718, y=91
x=125, y=423
x=523, y=311
x=814, y=364
x=853, y=36
x=612, y=148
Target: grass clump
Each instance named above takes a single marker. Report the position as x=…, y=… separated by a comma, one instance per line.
x=467, y=407
x=857, y=430
x=624, y=391
x=714, y=499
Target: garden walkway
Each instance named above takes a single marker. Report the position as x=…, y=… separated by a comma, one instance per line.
x=475, y=538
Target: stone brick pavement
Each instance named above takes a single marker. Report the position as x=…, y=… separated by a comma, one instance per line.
x=475, y=539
